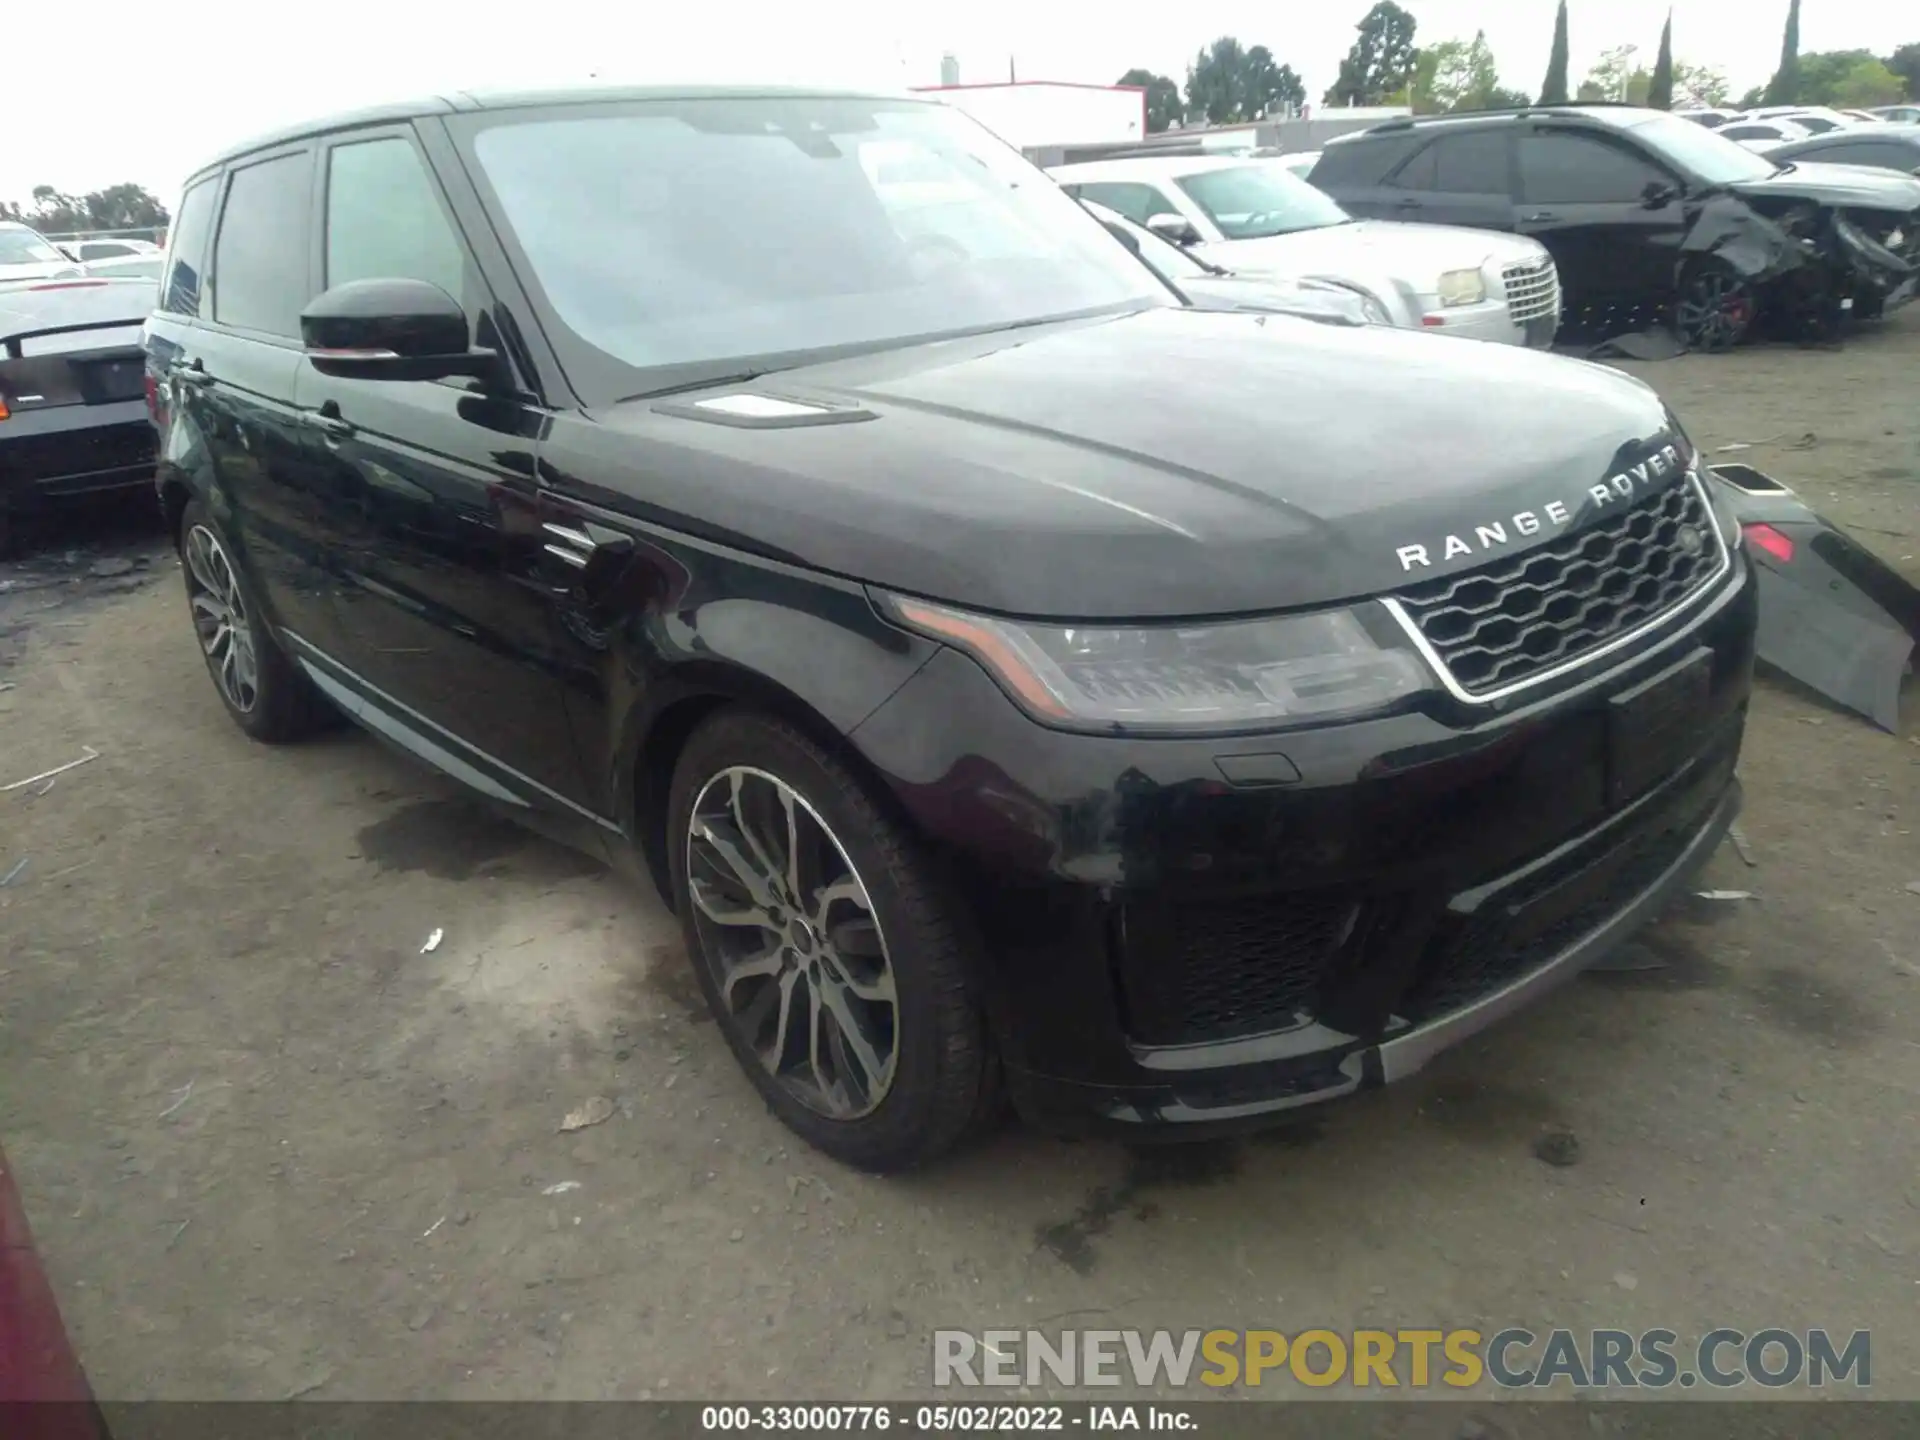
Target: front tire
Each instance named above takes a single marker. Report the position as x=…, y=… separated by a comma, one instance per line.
x=836, y=965
x=1715, y=308
x=267, y=695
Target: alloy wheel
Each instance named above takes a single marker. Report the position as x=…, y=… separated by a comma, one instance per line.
x=1715, y=309
x=221, y=619
x=789, y=936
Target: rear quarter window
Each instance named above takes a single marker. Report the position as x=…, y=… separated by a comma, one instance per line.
x=187, y=249
x=1362, y=162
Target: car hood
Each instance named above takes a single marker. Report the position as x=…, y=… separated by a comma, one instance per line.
x=1170, y=462
x=1848, y=186
x=1413, y=254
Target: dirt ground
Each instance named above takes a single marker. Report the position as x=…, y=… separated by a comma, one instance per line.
x=269, y=1147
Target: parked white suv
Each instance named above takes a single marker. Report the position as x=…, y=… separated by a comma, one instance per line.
x=1254, y=217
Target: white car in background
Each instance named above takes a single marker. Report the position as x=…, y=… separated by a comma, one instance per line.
x=109, y=248
x=1763, y=134
x=1254, y=217
x=25, y=254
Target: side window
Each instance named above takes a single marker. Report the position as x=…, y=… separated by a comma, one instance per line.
x=1557, y=168
x=260, y=276
x=1893, y=157
x=187, y=249
x=385, y=219
x=1471, y=164
x=1418, y=173
x=1139, y=203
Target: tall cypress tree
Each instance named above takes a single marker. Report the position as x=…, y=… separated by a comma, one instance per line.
x=1554, y=91
x=1784, y=88
x=1660, y=89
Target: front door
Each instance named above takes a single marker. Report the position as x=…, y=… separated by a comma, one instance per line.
x=1588, y=200
x=446, y=603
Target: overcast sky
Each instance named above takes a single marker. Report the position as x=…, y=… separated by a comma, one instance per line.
x=142, y=90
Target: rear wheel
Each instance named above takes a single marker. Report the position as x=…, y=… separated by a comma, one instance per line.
x=836, y=965
x=264, y=691
x=1715, y=308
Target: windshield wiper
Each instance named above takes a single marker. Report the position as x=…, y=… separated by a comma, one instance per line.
x=699, y=383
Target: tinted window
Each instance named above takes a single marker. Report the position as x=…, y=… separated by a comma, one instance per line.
x=187, y=249
x=1358, y=162
x=1471, y=164
x=1139, y=203
x=385, y=220
x=1866, y=152
x=260, y=260
x=1753, y=132
x=1557, y=168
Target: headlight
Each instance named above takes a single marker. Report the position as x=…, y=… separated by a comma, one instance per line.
x=1236, y=674
x=1461, y=287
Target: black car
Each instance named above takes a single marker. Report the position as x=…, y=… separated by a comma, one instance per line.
x=1016, y=680
x=73, y=411
x=1648, y=216
x=1883, y=147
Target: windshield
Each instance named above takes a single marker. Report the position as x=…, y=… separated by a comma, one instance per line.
x=694, y=236
x=1706, y=154
x=24, y=247
x=1250, y=201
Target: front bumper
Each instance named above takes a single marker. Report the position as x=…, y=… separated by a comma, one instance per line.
x=1190, y=935
x=74, y=450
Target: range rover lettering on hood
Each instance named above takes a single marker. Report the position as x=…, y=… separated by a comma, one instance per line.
x=1622, y=485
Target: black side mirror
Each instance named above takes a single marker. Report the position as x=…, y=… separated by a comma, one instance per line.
x=1657, y=193
x=1176, y=228
x=391, y=330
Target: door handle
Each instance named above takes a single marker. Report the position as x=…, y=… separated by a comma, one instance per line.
x=583, y=546
x=1539, y=217
x=330, y=422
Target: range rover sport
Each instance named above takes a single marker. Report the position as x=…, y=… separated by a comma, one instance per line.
x=1018, y=683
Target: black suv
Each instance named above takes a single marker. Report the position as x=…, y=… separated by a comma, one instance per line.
x=1004, y=701
x=1648, y=216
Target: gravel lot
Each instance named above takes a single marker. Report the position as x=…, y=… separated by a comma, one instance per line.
x=269, y=1147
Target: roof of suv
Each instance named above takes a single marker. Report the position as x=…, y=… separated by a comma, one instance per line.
x=1598, y=112
x=460, y=101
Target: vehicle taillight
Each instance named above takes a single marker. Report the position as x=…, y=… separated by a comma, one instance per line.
x=69, y=285
x=1770, y=540
x=4, y=412
x=156, y=411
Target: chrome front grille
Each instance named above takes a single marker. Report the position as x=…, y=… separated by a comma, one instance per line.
x=1533, y=289
x=1526, y=617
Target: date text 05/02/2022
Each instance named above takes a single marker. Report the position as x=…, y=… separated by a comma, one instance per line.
x=944, y=1419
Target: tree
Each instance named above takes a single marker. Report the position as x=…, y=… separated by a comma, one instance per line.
x=1460, y=75
x=1269, y=88
x=1751, y=99
x=1164, y=107
x=118, y=207
x=1905, y=62
x=1699, y=84
x=1784, y=88
x=1554, y=90
x=1215, y=81
x=1848, y=78
x=1660, y=88
x=1382, y=61
x=1617, y=78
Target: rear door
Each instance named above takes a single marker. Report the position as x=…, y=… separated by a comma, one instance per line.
x=1459, y=179
x=446, y=598
x=1585, y=197
x=230, y=377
